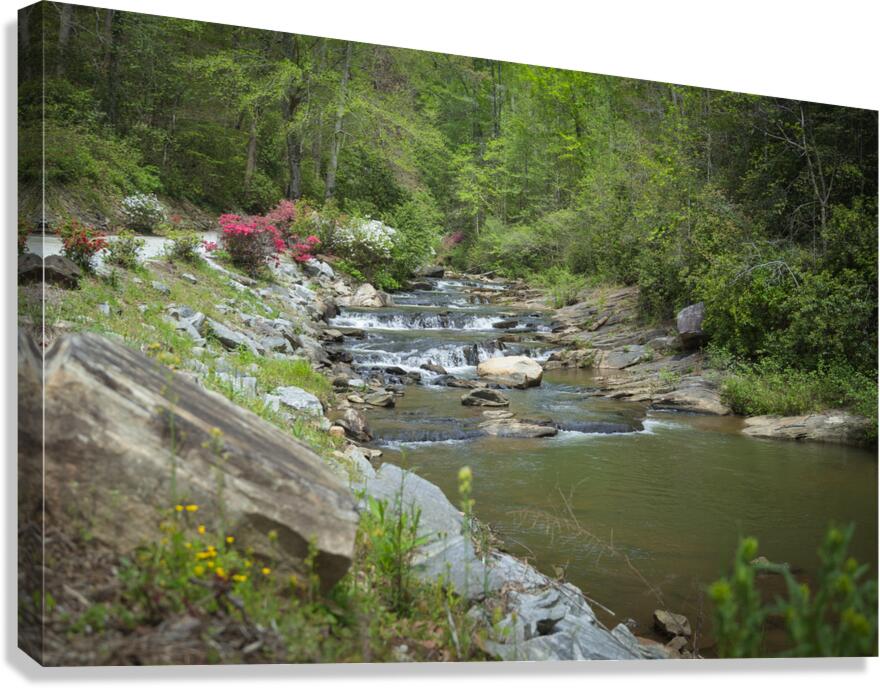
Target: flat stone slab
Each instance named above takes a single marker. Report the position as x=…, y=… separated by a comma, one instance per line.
x=837, y=427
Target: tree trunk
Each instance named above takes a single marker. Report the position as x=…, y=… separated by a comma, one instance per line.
x=64, y=27
x=251, y=165
x=330, y=186
x=111, y=31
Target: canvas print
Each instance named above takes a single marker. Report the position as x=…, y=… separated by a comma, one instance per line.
x=339, y=352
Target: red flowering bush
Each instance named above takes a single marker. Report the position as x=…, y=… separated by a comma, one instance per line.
x=250, y=241
x=302, y=251
x=283, y=215
x=209, y=246
x=452, y=239
x=80, y=242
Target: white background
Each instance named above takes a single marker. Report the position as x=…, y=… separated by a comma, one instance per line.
x=822, y=51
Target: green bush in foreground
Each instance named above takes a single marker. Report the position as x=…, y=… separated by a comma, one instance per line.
x=837, y=619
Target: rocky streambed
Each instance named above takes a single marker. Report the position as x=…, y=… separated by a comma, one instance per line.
x=622, y=470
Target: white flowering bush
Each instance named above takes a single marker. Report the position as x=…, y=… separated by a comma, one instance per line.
x=143, y=212
x=366, y=241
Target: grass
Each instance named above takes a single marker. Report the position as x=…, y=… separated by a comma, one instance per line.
x=146, y=329
x=767, y=388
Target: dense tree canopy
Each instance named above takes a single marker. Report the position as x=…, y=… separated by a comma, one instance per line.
x=766, y=209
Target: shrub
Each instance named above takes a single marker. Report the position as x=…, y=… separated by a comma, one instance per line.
x=183, y=245
x=24, y=229
x=80, y=242
x=366, y=243
x=839, y=619
x=260, y=193
x=143, y=212
x=250, y=242
x=563, y=286
x=123, y=249
x=302, y=250
x=768, y=387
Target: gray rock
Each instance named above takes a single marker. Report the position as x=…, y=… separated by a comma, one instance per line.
x=355, y=424
x=671, y=624
x=694, y=398
x=160, y=287
x=319, y=267
x=837, y=427
x=232, y=340
x=618, y=359
x=511, y=427
x=55, y=269
x=431, y=271
x=514, y=371
x=276, y=343
x=109, y=449
x=188, y=277
x=367, y=296
x=385, y=399
x=484, y=397
x=299, y=400
x=433, y=368
x=241, y=384
x=689, y=323
x=104, y=308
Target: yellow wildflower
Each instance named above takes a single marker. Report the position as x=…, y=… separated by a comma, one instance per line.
x=248, y=563
x=230, y=539
x=210, y=564
x=179, y=507
x=201, y=529
x=192, y=507
x=220, y=572
x=265, y=570
x=199, y=569
x=239, y=578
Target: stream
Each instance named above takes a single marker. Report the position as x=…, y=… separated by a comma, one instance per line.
x=671, y=492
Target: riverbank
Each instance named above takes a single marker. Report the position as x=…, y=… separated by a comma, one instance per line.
x=664, y=365
x=266, y=347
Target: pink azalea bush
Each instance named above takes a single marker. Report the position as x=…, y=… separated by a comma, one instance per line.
x=302, y=251
x=250, y=241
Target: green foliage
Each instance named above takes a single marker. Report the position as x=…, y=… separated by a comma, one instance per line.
x=767, y=387
x=123, y=249
x=389, y=536
x=836, y=619
x=562, y=285
x=183, y=245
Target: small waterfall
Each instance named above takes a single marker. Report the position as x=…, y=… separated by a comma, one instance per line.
x=415, y=320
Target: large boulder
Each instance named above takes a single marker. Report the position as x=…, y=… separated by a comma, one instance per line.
x=689, y=323
x=366, y=296
x=837, y=427
x=54, y=269
x=693, y=398
x=511, y=427
x=125, y=439
x=484, y=397
x=431, y=271
x=513, y=371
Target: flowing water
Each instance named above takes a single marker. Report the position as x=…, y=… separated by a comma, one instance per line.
x=638, y=508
